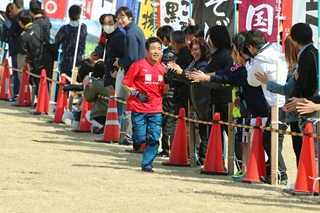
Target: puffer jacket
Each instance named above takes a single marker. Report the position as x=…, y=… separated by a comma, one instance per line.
x=29, y=43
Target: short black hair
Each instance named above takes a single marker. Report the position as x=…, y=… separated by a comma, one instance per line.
x=35, y=7
x=178, y=36
x=196, y=30
x=152, y=40
x=255, y=38
x=19, y=3
x=74, y=12
x=98, y=69
x=103, y=16
x=301, y=33
x=25, y=17
x=86, y=66
x=220, y=37
x=165, y=32
x=126, y=11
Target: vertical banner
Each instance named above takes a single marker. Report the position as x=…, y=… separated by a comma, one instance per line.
x=214, y=12
x=306, y=11
x=174, y=13
x=145, y=18
x=260, y=15
x=55, y=8
x=88, y=8
x=287, y=23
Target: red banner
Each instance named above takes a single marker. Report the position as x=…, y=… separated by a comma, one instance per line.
x=88, y=9
x=260, y=15
x=55, y=8
x=287, y=23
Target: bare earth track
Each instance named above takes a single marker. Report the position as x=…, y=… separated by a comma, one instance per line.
x=48, y=168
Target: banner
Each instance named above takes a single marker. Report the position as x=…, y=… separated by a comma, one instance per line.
x=287, y=23
x=214, y=12
x=260, y=15
x=174, y=13
x=306, y=11
x=55, y=8
x=127, y=3
x=146, y=18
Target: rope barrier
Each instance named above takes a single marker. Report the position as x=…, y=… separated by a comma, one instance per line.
x=279, y=131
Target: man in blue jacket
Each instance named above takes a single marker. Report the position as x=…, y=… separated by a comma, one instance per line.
x=134, y=51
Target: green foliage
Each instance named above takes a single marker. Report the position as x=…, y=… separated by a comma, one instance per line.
x=90, y=46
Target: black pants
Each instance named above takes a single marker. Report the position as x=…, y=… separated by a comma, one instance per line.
x=101, y=120
x=204, y=132
x=181, y=104
x=296, y=140
x=266, y=141
x=168, y=126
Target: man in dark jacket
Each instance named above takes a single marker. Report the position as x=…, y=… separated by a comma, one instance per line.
x=168, y=123
x=29, y=44
x=67, y=36
x=39, y=16
x=134, y=51
x=181, y=90
x=14, y=34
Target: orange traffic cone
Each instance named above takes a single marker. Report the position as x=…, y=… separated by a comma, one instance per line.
x=84, y=125
x=213, y=164
x=179, y=150
x=111, y=132
x=43, y=96
x=5, y=82
x=62, y=102
x=257, y=164
x=24, y=98
x=306, y=183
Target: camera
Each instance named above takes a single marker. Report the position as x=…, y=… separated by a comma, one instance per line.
x=92, y=79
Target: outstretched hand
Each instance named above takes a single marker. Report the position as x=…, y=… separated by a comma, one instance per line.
x=261, y=77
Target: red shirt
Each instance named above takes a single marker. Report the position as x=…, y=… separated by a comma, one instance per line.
x=145, y=78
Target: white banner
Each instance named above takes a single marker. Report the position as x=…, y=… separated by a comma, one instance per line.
x=306, y=11
x=174, y=13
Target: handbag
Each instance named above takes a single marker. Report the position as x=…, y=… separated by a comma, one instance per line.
x=52, y=48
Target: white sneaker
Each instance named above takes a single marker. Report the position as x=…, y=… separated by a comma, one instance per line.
x=75, y=124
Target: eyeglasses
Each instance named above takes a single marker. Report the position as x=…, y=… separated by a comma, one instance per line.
x=121, y=18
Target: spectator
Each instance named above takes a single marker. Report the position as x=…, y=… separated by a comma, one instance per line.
x=219, y=98
x=67, y=36
x=307, y=83
x=134, y=51
x=95, y=94
x=29, y=44
x=192, y=32
x=5, y=28
x=236, y=75
x=181, y=90
x=98, y=52
x=168, y=123
x=144, y=81
x=39, y=16
x=291, y=52
x=265, y=61
x=16, y=57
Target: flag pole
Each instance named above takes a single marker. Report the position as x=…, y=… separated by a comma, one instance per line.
x=318, y=87
x=73, y=77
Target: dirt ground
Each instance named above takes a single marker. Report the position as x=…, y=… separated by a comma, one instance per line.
x=48, y=168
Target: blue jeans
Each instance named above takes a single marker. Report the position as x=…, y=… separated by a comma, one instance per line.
x=16, y=80
x=143, y=125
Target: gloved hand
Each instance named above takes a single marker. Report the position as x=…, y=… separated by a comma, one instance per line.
x=169, y=75
x=141, y=96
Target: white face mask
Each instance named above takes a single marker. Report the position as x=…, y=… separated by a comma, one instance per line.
x=108, y=29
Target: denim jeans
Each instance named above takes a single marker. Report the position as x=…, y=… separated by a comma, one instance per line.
x=302, y=121
x=143, y=125
x=16, y=80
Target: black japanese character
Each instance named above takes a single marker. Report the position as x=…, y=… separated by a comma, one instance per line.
x=171, y=9
x=148, y=20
